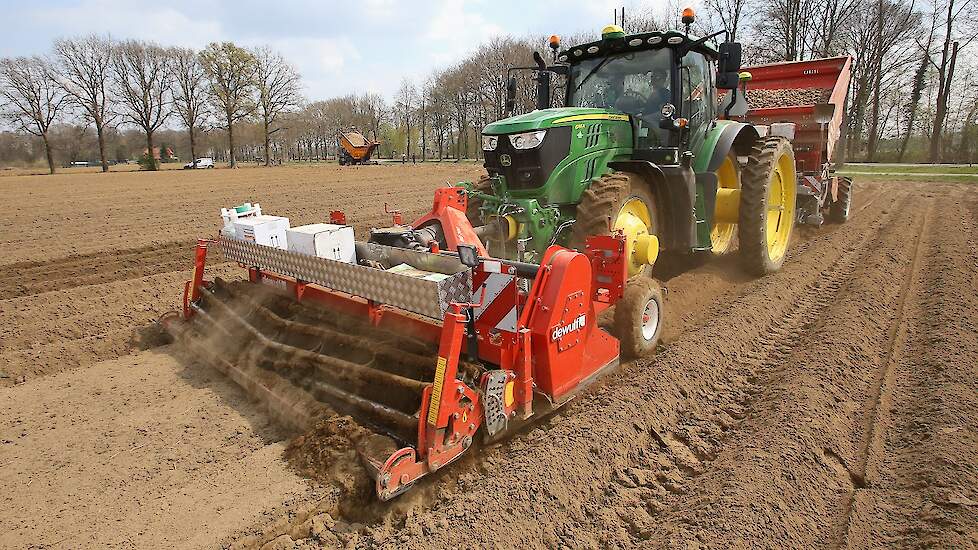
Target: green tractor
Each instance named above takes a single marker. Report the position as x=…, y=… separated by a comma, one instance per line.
x=642, y=146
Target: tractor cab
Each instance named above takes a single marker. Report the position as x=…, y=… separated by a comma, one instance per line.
x=663, y=81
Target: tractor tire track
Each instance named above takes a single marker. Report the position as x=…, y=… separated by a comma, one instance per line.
x=922, y=444
x=667, y=476
x=881, y=398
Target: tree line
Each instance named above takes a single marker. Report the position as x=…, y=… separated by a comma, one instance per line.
x=138, y=84
x=912, y=95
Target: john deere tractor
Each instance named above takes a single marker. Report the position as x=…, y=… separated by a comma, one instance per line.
x=643, y=146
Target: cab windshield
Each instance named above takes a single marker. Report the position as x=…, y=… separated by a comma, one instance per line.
x=636, y=83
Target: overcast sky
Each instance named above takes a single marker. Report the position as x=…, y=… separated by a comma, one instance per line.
x=339, y=47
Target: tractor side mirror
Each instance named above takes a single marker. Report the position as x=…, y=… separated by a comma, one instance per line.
x=511, y=94
x=543, y=89
x=728, y=65
x=543, y=82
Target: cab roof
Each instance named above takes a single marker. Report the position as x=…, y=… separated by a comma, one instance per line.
x=634, y=42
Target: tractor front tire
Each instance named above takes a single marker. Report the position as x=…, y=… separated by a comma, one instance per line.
x=638, y=317
x=839, y=209
x=603, y=205
x=767, y=206
x=473, y=204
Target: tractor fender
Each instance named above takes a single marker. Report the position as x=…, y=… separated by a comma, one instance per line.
x=738, y=136
x=726, y=136
x=674, y=194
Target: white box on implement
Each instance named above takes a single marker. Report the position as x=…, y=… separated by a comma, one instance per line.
x=263, y=230
x=324, y=240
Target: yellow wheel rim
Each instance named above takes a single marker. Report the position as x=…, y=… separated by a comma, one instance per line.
x=780, y=207
x=722, y=234
x=635, y=221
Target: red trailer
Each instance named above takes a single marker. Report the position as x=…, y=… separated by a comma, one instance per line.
x=805, y=102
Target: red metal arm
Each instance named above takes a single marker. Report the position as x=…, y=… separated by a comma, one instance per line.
x=449, y=419
x=191, y=289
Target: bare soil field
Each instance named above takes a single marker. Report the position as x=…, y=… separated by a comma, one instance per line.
x=832, y=404
x=89, y=258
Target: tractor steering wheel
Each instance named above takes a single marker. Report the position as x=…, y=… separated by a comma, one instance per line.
x=631, y=101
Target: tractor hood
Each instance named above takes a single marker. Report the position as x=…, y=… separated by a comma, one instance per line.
x=546, y=118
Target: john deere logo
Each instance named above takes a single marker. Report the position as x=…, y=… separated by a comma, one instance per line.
x=505, y=159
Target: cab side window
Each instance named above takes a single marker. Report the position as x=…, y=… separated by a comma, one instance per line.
x=697, y=92
x=694, y=87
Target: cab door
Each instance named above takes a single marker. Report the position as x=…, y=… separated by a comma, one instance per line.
x=697, y=95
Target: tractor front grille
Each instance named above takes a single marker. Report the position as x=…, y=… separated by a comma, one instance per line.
x=529, y=168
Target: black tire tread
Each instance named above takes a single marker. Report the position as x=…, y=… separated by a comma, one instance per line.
x=484, y=185
x=752, y=222
x=597, y=205
x=628, y=315
x=840, y=208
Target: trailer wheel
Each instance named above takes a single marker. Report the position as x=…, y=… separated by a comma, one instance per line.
x=620, y=201
x=638, y=317
x=767, y=206
x=839, y=209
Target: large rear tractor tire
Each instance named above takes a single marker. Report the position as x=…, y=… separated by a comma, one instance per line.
x=620, y=201
x=767, y=206
x=839, y=209
x=638, y=318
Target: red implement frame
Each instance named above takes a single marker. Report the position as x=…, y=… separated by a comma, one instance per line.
x=554, y=346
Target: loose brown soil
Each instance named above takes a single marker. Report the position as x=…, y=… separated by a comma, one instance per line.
x=89, y=259
x=830, y=404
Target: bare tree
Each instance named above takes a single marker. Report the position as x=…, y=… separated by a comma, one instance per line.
x=370, y=111
x=919, y=81
x=141, y=73
x=189, y=93
x=33, y=96
x=729, y=12
x=407, y=95
x=886, y=54
x=84, y=65
x=424, y=103
x=278, y=90
x=789, y=23
x=960, y=30
x=833, y=17
x=231, y=72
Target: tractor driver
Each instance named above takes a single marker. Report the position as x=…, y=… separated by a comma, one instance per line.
x=644, y=93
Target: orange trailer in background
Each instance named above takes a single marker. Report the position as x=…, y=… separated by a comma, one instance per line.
x=355, y=148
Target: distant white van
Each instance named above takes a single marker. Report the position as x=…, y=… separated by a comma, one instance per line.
x=202, y=162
